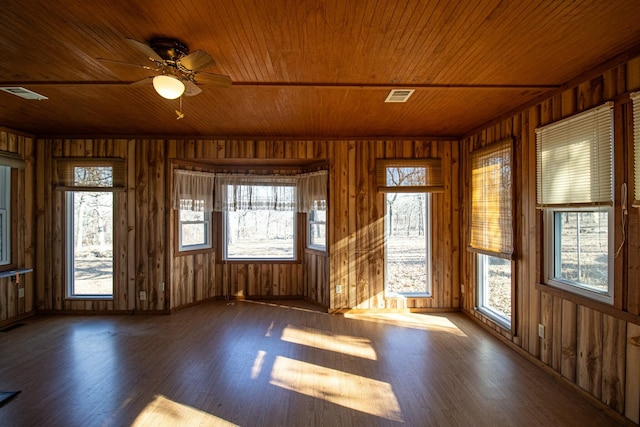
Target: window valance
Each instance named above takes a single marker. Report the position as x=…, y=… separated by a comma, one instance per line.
x=409, y=175
x=255, y=192
x=89, y=174
x=312, y=187
x=193, y=191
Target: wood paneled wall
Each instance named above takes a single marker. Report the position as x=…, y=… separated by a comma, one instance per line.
x=356, y=249
x=146, y=259
x=594, y=346
x=12, y=305
x=50, y=223
x=357, y=227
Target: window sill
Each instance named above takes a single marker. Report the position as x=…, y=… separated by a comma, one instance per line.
x=495, y=318
x=15, y=271
x=420, y=295
x=91, y=298
x=258, y=261
x=316, y=251
x=590, y=303
x=188, y=252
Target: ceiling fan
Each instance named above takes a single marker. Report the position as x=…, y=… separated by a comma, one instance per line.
x=179, y=70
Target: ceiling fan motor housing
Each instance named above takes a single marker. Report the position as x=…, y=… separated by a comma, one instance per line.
x=169, y=49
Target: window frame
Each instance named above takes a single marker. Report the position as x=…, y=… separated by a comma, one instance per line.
x=225, y=229
x=65, y=180
x=311, y=221
x=6, y=240
x=559, y=139
x=69, y=235
x=482, y=285
x=428, y=246
x=491, y=234
x=208, y=244
x=551, y=245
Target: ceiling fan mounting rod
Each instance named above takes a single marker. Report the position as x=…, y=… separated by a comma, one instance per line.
x=169, y=49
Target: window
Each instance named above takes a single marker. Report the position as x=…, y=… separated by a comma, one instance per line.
x=194, y=230
x=90, y=243
x=491, y=228
x=408, y=244
x=580, y=239
x=259, y=234
x=407, y=184
x=493, y=280
x=193, y=199
x=5, y=215
x=575, y=191
x=312, y=200
x=90, y=185
x=259, y=216
x=317, y=219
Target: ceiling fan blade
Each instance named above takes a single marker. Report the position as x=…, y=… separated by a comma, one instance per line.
x=145, y=81
x=146, y=49
x=213, y=79
x=191, y=89
x=129, y=64
x=198, y=60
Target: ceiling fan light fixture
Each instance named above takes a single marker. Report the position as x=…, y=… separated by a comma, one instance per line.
x=168, y=87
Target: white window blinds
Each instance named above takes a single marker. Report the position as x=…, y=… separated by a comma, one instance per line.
x=491, y=224
x=575, y=160
x=635, y=97
x=193, y=191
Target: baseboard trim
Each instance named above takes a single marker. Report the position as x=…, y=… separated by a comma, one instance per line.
x=100, y=312
x=394, y=310
x=16, y=319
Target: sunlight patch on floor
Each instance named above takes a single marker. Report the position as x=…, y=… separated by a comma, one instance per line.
x=341, y=388
x=165, y=412
x=257, y=364
x=322, y=340
x=425, y=322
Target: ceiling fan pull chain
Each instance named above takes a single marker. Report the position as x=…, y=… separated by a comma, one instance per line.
x=179, y=112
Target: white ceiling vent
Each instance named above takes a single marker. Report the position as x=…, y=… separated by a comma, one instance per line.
x=399, y=95
x=23, y=93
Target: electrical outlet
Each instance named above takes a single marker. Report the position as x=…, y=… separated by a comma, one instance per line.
x=20, y=292
x=143, y=295
x=540, y=330
x=338, y=289
x=161, y=286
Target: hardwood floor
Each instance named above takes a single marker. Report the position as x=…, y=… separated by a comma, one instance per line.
x=256, y=364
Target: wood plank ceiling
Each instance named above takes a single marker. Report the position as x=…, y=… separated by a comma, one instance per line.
x=302, y=68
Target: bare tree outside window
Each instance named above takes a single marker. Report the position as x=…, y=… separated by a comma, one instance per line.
x=90, y=242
